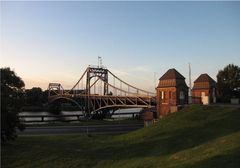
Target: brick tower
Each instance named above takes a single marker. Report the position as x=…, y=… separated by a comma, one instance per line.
x=204, y=90
x=171, y=92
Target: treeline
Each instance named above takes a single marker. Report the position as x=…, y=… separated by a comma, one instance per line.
x=35, y=99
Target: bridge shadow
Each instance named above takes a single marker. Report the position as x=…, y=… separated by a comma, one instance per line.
x=230, y=160
x=173, y=141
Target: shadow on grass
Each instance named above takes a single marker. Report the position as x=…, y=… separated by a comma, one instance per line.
x=230, y=160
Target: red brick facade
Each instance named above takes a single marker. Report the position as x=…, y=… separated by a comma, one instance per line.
x=204, y=86
x=171, y=91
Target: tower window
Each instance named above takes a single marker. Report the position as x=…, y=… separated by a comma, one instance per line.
x=162, y=94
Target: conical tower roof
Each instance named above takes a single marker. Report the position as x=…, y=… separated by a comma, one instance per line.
x=172, y=78
x=204, y=78
x=172, y=74
x=204, y=81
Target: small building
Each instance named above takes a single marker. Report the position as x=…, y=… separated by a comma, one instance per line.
x=204, y=90
x=171, y=92
x=149, y=116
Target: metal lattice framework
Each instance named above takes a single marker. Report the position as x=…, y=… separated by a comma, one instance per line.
x=98, y=89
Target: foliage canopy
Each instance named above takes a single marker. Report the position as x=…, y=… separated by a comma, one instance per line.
x=12, y=87
x=228, y=81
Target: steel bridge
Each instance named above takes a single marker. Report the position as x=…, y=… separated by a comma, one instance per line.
x=99, y=90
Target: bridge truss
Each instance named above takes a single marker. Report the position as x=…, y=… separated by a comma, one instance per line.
x=99, y=90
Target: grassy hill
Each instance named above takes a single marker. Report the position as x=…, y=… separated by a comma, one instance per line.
x=194, y=137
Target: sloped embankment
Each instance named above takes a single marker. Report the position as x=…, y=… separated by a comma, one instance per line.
x=194, y=137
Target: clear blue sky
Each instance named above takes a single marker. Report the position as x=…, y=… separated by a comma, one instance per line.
x=55, y=41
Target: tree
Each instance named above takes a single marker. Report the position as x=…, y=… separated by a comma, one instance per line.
x=228, y=82
x=12, y=87
x=34, y=96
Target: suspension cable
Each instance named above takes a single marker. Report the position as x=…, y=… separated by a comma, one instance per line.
x=131, y=85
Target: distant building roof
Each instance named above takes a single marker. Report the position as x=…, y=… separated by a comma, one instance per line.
x=204, y=78
x=172, y=74
x=172, y=78
x=204, y=81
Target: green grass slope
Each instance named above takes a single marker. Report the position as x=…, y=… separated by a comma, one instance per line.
x=194, y=137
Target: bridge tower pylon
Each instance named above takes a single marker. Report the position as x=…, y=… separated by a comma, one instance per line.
x=99, y=72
